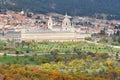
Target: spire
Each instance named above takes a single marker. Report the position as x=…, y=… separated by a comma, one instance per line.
x=66, y=15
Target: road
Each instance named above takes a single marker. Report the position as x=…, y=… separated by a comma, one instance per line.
x=102, y=44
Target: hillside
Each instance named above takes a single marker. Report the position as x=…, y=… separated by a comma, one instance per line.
x=73, y=7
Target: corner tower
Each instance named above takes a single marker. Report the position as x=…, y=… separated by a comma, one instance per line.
x=50, y=23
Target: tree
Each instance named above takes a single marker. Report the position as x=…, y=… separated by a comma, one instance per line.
x=33, y=44
x=88, y=38
x=54, y=52
x=102, y=32
x=17, y=54
x=23, y=43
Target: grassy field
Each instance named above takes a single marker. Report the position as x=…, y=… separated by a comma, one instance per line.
x=34, y=60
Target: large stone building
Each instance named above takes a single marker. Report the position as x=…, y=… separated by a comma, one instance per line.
x=53, y=36
x=64, y=33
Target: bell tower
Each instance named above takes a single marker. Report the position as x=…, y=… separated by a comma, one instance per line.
x=50, y=23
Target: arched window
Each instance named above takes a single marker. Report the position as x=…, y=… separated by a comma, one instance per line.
x=66, y=23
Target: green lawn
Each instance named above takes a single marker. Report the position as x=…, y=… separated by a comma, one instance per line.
x=28, y=59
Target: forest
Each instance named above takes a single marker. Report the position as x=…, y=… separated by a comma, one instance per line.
x=74, y=7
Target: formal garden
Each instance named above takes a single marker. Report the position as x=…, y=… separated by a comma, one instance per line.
x=62, y=47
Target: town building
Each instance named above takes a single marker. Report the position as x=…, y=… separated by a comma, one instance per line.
x=50, y=32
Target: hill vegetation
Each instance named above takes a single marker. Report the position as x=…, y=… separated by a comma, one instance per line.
x=74, y=7
x=18, y=72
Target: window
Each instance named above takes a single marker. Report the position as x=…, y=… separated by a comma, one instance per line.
x=66, y=23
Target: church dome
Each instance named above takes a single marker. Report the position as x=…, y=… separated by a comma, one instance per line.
x=66, y=19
